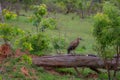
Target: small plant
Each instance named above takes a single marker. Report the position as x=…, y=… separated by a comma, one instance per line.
x=24, y=42
x=8, y=33
x=39, y=42
x=27, y=46
x=58, y=43
x=39, y=21
x=49, y=23
x=0, y=77
x=26, y=59
x=39, y=12
x=35, y=43
x=8, y=15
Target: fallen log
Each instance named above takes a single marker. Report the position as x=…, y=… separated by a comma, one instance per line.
x=74, y=61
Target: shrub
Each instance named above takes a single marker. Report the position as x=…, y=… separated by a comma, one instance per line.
x=35, y=43
x=39, y=12
x=26, y=59
x=106, y=32
x=8, y=15
x=59, y=43
x=39, y=42
x=49, y=23
x=8, y=32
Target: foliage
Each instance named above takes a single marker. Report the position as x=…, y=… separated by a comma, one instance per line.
x=49, y=23
x=68, y=4
x=8, y=33
x=13, y=69
x=8, y=15
x=39, y=12
x=103, y=76
x=12, y=1
x=0, y=77
x=39, y=21
x=107, y=32
x=35, y=43
x=39, y=42
x=24, y=43
x=26, y=59
x=106, y=27
x=116, y=2
x=113, y=13
x=82, y=4
x=27, y=46
x=59, y=43
x=101, y=22
x=26, y=2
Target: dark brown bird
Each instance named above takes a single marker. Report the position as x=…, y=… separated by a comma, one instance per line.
x=73, y=45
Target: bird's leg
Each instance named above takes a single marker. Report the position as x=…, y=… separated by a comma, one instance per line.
x=73, y=52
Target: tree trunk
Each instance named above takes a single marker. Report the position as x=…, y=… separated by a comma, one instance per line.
x=90, y=7
x=117, y=60
x=1, y=16
x=74, y=61
x=82, y=13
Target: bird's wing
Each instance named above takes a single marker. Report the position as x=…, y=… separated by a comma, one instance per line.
x=73, y=43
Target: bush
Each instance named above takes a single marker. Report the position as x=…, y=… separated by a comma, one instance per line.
x=39, y=42
x=35, y=43
x=40, y=10
x=26, y=59
x=49, y=23
x=106, y=32
x=59, y=43
x=8, y=33
x=8, y=15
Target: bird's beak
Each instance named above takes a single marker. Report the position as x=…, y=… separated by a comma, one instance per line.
x=82, y=39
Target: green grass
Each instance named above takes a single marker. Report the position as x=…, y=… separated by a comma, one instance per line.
x=71, y=29
x=12, y=71
x=68, y=28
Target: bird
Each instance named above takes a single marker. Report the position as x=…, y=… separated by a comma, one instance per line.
x=73, y=45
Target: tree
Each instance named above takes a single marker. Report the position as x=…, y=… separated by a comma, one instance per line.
x=58, y=44
x=107, y=32
x=27, y=4
x=39, y=12
x=82, y=5
x=69, y=4
x=39, y=41
x=1, y=15
x=9, y=15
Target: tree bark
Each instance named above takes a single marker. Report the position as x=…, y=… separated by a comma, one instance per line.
x=1, y=16
x=90, y=7
x=74, y=61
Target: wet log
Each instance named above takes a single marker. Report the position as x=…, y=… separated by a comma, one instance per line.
x=74, y=61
